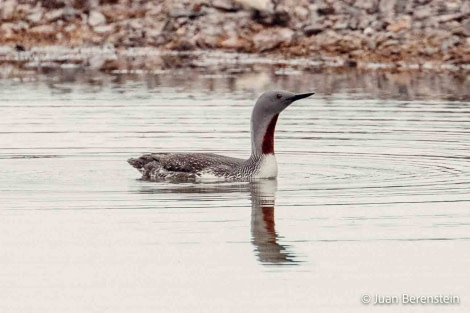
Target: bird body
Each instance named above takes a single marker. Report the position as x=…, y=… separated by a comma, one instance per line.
x=193, y=167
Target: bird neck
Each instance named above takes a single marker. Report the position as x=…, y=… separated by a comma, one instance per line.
x=262, y=135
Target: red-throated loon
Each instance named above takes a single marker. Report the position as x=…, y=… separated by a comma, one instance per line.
x=200, y=166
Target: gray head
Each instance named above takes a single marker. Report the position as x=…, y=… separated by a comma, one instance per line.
x=275, y=101
x=264, y=118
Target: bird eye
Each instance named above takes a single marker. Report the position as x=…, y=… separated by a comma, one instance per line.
x=279, y=96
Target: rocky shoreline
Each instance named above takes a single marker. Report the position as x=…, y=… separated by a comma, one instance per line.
x=116, y=35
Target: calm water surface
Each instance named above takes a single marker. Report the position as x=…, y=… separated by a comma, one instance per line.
x=372, y=197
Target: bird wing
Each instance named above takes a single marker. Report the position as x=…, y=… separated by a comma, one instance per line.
x=195, y=162
x=185, y=162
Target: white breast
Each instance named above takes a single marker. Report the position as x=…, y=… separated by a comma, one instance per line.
x=268, y=167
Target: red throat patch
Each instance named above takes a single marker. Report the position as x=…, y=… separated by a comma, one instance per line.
x=268, y=139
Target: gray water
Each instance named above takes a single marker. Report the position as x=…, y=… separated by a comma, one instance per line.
x=372, y=197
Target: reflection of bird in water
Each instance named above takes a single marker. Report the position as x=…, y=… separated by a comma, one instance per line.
x=263, y=233
x=263, y=226
x=208, y=166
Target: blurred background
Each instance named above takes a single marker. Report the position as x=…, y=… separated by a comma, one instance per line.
x=417, y=34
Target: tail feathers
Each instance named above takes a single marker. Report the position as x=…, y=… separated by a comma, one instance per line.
x=152, y=167
x=141, y=162
x=147, y=164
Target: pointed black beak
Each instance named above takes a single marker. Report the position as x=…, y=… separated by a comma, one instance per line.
x=301, y=96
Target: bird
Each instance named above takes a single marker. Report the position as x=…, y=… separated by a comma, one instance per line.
x=199, y=167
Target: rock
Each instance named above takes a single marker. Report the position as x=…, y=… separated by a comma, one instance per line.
x=377, y=25
x=449, y=43
x=204, y=42
x=422, y=12
x=328, y=38
x=260, y=5
x=429, y=50
x=34, y=17
x=54, y=15
x=96, y=18
x=451, y=6
x=368, y=31
x=6, y=29
x=365, y=21
x=314, y=29
x=96, y=61
x=271, y=38
x=448, y=17
x=465, y=8
x=402, y=6
x=466, y=27
x=301, y=13
x=386, y=7
x=155, y=29
x=104, y=29
x=20, y=26
x=8, y=9
x=226, y=5
x=279, y=18
x=136, y=24
x=231, y=43
x=403, y=23
x=325, y=10
x=70, y=28
x=454, y=27
x=183, y=30
x=340, y=25
x=184, y=45
x=177, y=13
x=19, y=47
x=69, y=12
x=313, y=8
x=368, y=5
x=42, y=29
x=417, y=25
x=390, y=42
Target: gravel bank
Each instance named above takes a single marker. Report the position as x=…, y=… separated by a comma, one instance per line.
x=390, y=34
